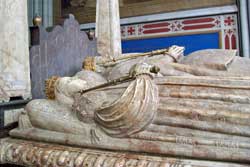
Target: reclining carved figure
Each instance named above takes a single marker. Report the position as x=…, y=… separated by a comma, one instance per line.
x=184, y=110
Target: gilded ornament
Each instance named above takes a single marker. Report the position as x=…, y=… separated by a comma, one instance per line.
x=50, y=87
x=89, y=64
x=37, y=20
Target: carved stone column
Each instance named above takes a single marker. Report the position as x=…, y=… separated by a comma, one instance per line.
x=108, y=28
x=243, y=8
x=14, y=45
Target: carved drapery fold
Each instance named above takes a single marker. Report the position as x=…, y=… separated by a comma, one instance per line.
x=133, y=111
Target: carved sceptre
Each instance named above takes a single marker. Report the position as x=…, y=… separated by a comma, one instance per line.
x=92, y=63
x=136, y=70
x=109, y=62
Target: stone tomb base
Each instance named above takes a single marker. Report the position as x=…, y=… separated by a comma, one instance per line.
x=37, y=154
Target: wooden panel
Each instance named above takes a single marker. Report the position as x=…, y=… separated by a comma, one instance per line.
x=57, y=12
x=145, y=7
x=60, y=52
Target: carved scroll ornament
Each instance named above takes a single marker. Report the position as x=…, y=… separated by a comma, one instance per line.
x=34, y=154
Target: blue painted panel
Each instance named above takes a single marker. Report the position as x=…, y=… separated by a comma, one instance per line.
x=190, y=42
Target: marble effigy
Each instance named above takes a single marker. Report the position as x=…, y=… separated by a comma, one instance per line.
x=14, y=53
x=187, y=109
x=158, y=103
x=183, y=114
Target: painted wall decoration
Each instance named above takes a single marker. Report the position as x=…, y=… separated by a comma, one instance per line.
x=192, y=42
x=194, y=33
x=85, y=10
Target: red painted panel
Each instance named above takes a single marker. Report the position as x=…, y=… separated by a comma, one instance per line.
x=195, y=27
x=233, y=41
x=156, y=25
x=195, y=21
x=160, y=30
x=227, y=42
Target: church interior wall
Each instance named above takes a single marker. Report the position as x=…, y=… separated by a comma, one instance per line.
x=222, y=30
x=130, y=8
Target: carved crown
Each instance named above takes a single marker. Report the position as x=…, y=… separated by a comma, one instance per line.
x=50, y=87
x=89, y=64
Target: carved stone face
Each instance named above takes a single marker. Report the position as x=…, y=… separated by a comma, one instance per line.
x=67, y=87
x=70, y=85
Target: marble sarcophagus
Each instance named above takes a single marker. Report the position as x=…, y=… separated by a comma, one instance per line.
x=143, y=117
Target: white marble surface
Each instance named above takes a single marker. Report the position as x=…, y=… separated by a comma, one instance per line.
x=11, y=116
x=14, y=53
x=108, y=28
x=4, y=97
